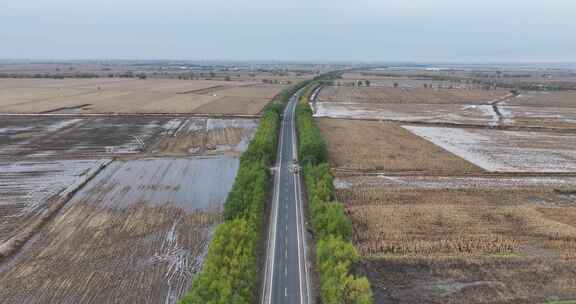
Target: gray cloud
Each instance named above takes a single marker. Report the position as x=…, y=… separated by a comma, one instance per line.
x=361, y=30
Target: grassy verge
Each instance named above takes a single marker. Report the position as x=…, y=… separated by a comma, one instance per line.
x=333, y=230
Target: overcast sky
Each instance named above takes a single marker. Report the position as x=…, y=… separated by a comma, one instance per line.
x=327, y=30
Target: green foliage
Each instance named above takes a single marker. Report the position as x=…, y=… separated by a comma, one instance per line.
x=319, y=182
x=262, y=148
x=312, y=147
x=329, y=219
x=338, y=286
x=248, y=194
x=333, y=229
x=229, y=274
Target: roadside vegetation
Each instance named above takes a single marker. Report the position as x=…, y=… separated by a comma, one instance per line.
x=231, y=268
x=336, y=255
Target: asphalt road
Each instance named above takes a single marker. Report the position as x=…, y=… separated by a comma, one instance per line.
x=286, y=274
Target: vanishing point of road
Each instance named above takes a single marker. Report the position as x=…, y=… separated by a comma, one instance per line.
x=286, y=279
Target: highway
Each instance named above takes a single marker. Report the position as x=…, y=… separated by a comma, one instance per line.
x=286, y=278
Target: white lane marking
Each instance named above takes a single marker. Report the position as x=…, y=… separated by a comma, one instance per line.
x=299, y=227
x=272, y=236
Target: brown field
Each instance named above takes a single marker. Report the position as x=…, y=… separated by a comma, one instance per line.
x=564, y=99
x=104, y=95
x=482, y=214
x=408, y=95
x=489, y=281
x=465, y=246
x=381, y=146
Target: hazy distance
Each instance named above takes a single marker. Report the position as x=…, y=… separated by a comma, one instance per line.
x=301, y=30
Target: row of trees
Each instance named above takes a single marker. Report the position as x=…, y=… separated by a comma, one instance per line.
x=332, y=228
x=231, y=268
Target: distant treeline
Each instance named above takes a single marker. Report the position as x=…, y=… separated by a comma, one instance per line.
x=72, y=75
x=335, y=254
x=492, y=81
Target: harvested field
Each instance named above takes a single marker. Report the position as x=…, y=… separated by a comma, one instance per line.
x=407, y=82
x=482, y=115
x=467, y=242
x=136, y=234
x=26, y=188
x=404, y=95
x=244, y=100
x=431, y=225
x=97, y=136
x=371, y=145
x=462, y=223
x=506, y=151
x=206, y=136
x=563, y=99
x=129, y=96
x=502, y=281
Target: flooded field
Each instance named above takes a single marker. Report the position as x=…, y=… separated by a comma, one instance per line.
x=26, y=189
x=206, y=136
x=506, y=151
x=82, y=136
x=111, y=209
x=136, y=234
x=557, y=117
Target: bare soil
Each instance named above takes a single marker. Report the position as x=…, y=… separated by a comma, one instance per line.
x=497, y=281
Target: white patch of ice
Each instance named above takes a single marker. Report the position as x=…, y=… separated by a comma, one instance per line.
x=62, y=124
x=506, y=151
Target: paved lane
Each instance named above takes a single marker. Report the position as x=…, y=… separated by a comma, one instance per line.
x=286, y=275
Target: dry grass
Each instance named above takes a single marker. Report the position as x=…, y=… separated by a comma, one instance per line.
x=133, y=96
x=370, y=145
x=459, y=223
